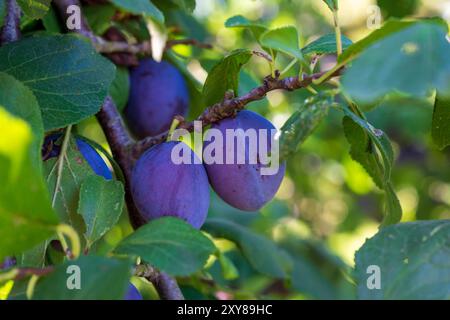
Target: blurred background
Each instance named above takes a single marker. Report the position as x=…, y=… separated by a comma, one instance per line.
x=327, y=205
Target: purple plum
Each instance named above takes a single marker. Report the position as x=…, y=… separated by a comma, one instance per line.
x=160, y=187
x=132, y=293
x=158, y=92
x=242, y=185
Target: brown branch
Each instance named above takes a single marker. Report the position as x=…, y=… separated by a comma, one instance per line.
x=11, y=30
x=167, y=287
x=230, y=105
x=144, y=47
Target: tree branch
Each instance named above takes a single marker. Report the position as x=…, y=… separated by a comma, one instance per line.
x=10, y=31
x=230, y=105
x=125, y=150
x=144, y=47
x=120, y=142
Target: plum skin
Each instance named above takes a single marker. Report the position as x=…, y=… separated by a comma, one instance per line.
x=91, y=156
x=132, y=293
x=158, y=92
x=162, y=188
x=242, y=185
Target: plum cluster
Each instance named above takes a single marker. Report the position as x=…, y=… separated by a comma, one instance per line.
x=51, y=149
x=161, y=188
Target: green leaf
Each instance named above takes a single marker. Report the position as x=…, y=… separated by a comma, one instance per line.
x=69, y=79
x=242, y=22
x=307, y=278
x=283, y=39
x=34, y=257
x=261, y=253
x=224, y=76
x=440, y=126
x=99, y=17
x=21, y=102
x=101, y=203
x=390, y=27
x=170, y=244
x=26, y=215
x=386, y=66
x=367, y=144
x=414, y=261
x=35, y=9
x=302, y=123
x=75, y=170
x=187, y=5
x=146, y=8
x=101, y=278
x=229, y=271
x=51, y=22
x=326, y=45
x=120, y=88
x=393, y=213
x=332, y=4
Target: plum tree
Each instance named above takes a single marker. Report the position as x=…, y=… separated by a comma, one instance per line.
x=51, y=149
x=7, y=263
x=158, y=92
x=242, y=185
x=132, y=293
x=162, y=188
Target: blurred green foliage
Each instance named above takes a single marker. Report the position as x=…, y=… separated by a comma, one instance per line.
x=327, y=204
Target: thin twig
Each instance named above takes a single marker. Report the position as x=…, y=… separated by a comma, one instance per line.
x=120, y=141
